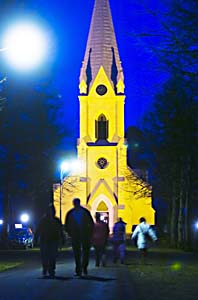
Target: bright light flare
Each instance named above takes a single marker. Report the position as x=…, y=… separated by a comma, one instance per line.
x=196, y=225
x=64, y=167
x=1, y=222
x=71, y=167
x=25, y=46
x=76, y=166
x=24, y=218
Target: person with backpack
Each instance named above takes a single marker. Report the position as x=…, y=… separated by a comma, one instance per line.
x=142, y=233
x=118, y=241
x=50, y=234
x=99, y=240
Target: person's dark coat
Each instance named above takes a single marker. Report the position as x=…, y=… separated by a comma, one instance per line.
x=49, y=230
x=79, y=223
x=119, y=232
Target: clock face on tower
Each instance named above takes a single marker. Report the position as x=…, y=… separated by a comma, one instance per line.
x=101, y=89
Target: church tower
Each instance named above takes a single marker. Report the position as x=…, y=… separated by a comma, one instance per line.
x=105, y=183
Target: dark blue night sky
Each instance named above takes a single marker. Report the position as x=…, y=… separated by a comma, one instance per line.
x=68, y=23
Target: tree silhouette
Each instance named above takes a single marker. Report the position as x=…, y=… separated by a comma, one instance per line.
x=31, y=134
x=172, y=128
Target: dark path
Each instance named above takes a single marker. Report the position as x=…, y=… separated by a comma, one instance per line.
x=26, y=283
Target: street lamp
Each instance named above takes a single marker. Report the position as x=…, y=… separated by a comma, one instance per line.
x=196, y=225
x=24, y=45
x=70, y=166
x=24, y=218
x=64, y=168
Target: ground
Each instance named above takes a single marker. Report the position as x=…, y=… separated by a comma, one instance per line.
x=167, y=274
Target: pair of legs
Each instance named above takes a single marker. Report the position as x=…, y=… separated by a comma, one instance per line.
x=48, y=257
x=100, y=255
x=119, y=252
x=81, y=248
x=144, y=254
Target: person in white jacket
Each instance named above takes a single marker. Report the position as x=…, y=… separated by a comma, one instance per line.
x=142, y=232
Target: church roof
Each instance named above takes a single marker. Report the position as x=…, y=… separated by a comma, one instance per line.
x=101, y=49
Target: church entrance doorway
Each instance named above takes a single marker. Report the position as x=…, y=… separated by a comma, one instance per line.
x=102, y=209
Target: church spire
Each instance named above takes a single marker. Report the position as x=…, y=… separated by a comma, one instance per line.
x=101, y=50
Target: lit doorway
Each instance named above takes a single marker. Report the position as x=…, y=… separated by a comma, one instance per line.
x=104, y=216
x=103, y=205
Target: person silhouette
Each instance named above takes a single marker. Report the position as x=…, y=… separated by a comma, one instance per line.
x=50, y=233
x=118, y=240
x=142, y=232
x=79, y=226
x=100, y=239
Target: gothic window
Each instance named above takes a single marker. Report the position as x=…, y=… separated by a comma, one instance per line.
x=101, y=128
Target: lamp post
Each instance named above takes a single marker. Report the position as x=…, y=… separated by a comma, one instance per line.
x=71, y=166
x=24, y=47
x=64, y=168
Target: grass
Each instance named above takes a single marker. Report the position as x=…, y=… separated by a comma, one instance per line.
x=167, y=274
x=4, y=266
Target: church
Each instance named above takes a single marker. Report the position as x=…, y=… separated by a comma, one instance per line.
x=104, y=183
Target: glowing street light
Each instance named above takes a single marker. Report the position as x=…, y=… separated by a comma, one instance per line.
x=24, y=45
x=196, y=225
x=24, y=218
x=1, y=222
x=64, y=168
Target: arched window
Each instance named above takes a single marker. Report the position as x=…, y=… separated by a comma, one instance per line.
x=101, y=128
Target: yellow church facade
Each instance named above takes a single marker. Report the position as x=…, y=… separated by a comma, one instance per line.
x=104, y=183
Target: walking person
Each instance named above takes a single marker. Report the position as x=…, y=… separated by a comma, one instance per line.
x=79, y=225
x=141, y=233
x=118, y=240
x=99, y=240
x=49, y=232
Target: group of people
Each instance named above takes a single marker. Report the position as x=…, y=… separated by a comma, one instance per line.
x=84, y=233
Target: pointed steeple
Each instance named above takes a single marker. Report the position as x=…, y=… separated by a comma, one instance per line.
x=101, y=50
